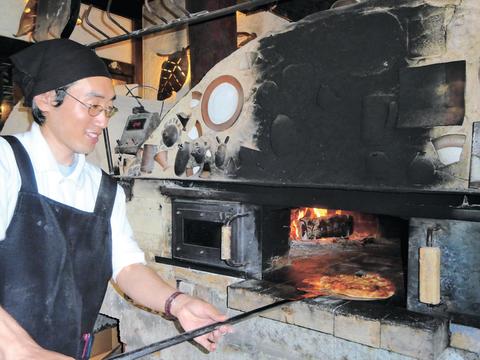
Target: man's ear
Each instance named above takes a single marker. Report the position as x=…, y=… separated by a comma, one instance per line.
x=44, y=101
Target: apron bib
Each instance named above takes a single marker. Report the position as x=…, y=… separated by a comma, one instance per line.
x=55, y=263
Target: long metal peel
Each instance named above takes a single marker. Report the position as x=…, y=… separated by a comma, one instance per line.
x=189, y=335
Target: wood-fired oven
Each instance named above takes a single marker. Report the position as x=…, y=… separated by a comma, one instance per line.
x=366, y=112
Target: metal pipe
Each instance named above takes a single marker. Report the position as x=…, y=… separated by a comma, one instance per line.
x=193, y=19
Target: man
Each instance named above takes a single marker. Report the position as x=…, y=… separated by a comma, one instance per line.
x=63, y=228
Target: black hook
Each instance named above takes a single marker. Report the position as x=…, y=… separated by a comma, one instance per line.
x=113, y=20
x=86, y=14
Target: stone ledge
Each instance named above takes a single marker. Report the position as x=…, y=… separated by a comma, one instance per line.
x=465, y=338
x=360, y=322
x=371, y=323
x=413, y=334
x=316, y=314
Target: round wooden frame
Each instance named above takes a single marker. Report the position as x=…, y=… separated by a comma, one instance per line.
x=206, y=97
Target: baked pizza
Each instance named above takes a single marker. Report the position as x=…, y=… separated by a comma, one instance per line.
x=364, y=286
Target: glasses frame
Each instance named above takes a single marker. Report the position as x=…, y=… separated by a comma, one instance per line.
x=95, y=110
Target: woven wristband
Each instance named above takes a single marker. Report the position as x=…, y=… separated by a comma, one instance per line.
x=168, y=305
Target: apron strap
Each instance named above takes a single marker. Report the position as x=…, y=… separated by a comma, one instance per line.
x=29, y=183
x=106, y=196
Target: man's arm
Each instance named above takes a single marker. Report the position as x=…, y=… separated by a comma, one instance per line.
x=16, y=344
x=145, y=287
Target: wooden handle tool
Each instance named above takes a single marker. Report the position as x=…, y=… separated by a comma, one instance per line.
x=429, y=273
x=226, y=245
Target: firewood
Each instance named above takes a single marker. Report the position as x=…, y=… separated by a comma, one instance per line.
x=334, y=226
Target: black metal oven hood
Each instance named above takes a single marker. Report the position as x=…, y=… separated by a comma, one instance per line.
x=395, y=202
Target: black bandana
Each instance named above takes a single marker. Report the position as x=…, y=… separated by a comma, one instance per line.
x=50, y=64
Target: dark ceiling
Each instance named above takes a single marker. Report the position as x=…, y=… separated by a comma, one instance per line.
x=290, y=9
x=295, y=10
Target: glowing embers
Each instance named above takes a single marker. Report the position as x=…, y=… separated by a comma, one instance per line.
x=328, y=225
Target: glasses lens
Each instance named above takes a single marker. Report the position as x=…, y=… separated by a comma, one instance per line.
x=95, y=110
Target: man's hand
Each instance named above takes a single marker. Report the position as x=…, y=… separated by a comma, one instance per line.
x=147, y=288
x=194, y=313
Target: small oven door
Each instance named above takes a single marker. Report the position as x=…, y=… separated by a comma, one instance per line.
x=197, y=233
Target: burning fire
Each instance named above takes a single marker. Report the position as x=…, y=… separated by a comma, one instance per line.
x=316, y=223
x=312, y=213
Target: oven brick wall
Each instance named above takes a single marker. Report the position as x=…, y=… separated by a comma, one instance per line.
x=150, y=214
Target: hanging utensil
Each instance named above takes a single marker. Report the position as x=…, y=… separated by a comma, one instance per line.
x=226, y=244
x=429, y=270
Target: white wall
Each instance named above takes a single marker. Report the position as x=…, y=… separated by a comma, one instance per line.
x=10, y=17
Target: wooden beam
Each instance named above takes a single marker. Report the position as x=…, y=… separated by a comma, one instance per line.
x=210, y=41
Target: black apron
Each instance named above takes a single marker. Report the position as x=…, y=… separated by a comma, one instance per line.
x=55, y=263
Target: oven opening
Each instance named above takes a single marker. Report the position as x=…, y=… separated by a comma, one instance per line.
x=332, y=242
x=202, y=233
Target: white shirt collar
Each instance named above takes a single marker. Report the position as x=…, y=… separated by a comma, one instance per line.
x=43, y=160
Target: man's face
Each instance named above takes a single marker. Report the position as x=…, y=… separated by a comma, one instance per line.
x=70, y=128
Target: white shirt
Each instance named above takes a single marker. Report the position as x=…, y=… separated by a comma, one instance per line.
x=79, y=190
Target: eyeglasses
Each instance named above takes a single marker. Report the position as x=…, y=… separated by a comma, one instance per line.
x=95, y=110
